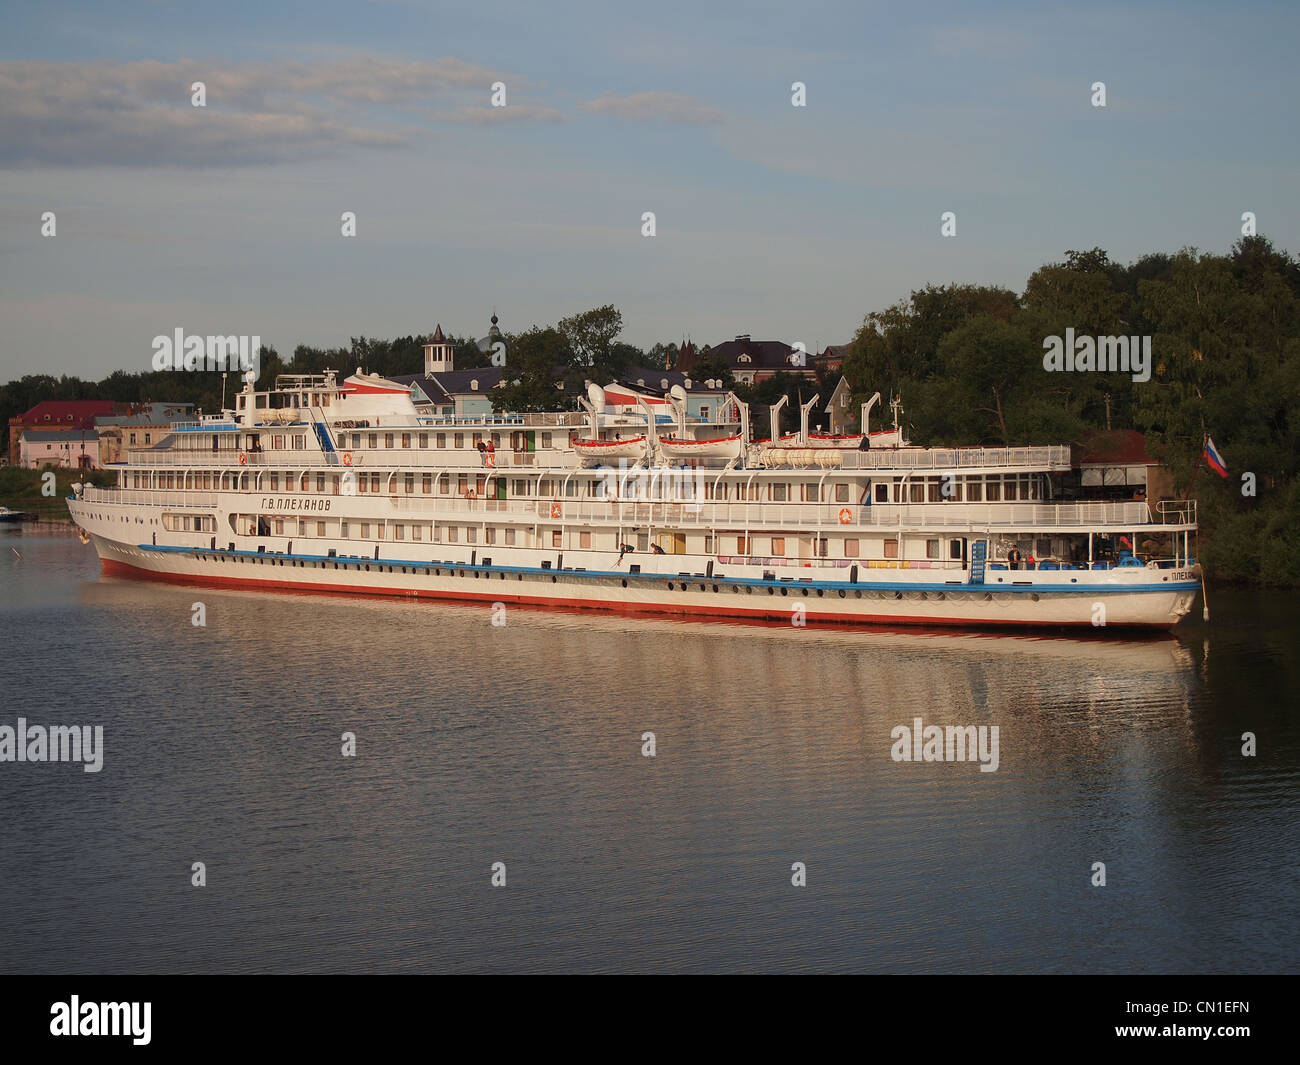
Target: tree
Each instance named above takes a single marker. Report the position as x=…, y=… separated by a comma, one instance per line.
x=590, y=337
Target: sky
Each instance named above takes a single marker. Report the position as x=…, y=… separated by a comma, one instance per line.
x=787, y=223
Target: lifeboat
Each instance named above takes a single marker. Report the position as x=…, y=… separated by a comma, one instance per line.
x=610, y=449
x=726, y=447
x=841, y=442
x=887, y=438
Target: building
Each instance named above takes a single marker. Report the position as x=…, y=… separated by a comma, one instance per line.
x=752, y=361
x=142, y=426
x=51, y=414
x=71, y=449
x=1115, y=465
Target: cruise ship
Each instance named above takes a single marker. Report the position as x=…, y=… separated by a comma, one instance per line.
x=630, y=504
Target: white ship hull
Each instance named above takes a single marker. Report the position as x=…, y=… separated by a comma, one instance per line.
x=897, y=598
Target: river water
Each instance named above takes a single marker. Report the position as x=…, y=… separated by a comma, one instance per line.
x=522, y=744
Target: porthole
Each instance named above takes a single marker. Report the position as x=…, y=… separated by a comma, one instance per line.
x=749, y=590
x=1034, y=597
x=820, y=593
x=844, y=594
x=670, y=586
x=771, y=591
x=554, y=579
x=624, y=582
x=857, y=594
x=715, y=587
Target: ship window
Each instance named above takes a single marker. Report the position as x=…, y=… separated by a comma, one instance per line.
x=374, y=482
x=302, y=527
x=778, y=491
x=841, y=493
x=365, y=530
x=334, y=484
x=415, y=532
x=320, y=528
x=584, y=539
x=279, y=526
x=479, y=482
x=343, y=529
x=424, y=439
x=1012, y=493
x=426, y=483
x=489, y=535
x=916, y=493
x=994, y=493
x=399, y=532
x=934, y=490
x=882, y=493
x=362, y=481
x=471, y=534
x=742, y=545
x=850, y=549
x=379, y=530
x=459, y=440
x=462, y=483
x=571, y=488
x=778, y=545
x=954, y=549
x=406, y=440
x=510, y=537
x=388, y=440
x=373, y=440
x=546, y=440
x=974, y=491
x=320, y=482
x=453, y=533
x=932, y=549
x=891, y=548
x=440, y=440
x=444, y=484
x=1044, y=548
x=556, y=539
x=409, y=483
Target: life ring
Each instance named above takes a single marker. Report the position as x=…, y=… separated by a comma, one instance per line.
x=243, y=458
x=489, y=459
x=846, y=515
x=347, y=458
x=556, y=510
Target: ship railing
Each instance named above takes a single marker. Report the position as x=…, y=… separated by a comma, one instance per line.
x=143, y=498
x=845, y=517
x=1038, y=458
x=1176, y=512
x=400, y=460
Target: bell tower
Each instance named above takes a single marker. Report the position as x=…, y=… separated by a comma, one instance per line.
x=438, y=354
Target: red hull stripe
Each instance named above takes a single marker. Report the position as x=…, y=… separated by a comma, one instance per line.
x=501, y=595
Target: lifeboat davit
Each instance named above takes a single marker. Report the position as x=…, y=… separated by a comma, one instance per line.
x=610, y=449
x=726, y=447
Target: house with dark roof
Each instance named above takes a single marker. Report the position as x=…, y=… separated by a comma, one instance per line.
x=143, y=425
x=752, y=361
x=61, y=414
x=72, y=449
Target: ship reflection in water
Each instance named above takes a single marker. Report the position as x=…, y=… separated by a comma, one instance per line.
x=523, y=743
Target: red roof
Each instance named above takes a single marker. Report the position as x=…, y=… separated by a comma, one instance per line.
x=1118, y=447
x=66, y=413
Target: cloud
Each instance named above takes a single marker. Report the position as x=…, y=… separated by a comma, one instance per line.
x=139, y=113
x=654, y=106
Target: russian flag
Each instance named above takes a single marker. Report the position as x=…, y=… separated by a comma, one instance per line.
x=1215, y=460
